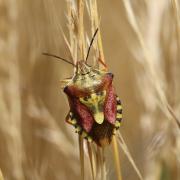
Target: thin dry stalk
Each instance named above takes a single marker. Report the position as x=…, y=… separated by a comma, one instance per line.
x=96, y=24
x=81, y=41
x=173, y=115
x=1, y=176
x=99, y=163
x=177, y=16
x=103, y=164
x=72, y=28
x=100, y=168
x=94, y=17
x=116, y=158
x=155, y=75
x=147, y=63
x=81, y=44
x=91, y=158
x=175, y=7
x=148, y=58
x=81, y=154
x=126, y=151
x=10, y=95
x=76, y=29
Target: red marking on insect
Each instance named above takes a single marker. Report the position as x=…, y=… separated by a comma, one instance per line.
x=95, y=109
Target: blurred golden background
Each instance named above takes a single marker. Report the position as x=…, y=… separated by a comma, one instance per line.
x=35, y=141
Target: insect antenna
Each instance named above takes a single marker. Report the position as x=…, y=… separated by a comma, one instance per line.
x=65, y=60
x=91, y=43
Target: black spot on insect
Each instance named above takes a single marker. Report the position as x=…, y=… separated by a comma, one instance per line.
x=118, y=102
x=83, y=74
x=111, y=74
x=119, y=111
x=86, y=98
x=119, y=119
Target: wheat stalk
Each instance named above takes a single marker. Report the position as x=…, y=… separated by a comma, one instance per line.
x=10, y=105
x=91, y=158
x=76, y=32
x=116, y=158
x=81, y=154
x=126, y=151
x=155, y=76
x=175, y=7
x=166, y=107
x=1, y=175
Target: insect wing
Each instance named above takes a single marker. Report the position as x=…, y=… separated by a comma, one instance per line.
x=110, y=106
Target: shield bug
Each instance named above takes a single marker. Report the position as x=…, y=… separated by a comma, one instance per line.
x=95, y=109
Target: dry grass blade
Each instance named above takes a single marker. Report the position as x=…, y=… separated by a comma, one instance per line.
x=72, y=28
x=81, y=154
x=98, y=164
x=177, y=16
x=173, y=115
x=81, y=29
x=1, y=176
x=101, y=166
x=104, y=172
x=81, y=44
x=91, y=158
x=93, y=13
x=116, y=158
x=148, y=64
x=126, y=151
x=175, y=7
x=96, y=23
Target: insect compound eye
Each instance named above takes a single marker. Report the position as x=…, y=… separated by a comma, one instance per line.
x=84, y=99
x=111, y=75
x=101, y=93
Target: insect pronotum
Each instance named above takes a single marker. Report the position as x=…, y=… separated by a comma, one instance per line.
x=95, y=109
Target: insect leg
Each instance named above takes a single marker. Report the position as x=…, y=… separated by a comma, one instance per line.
x=70, y=118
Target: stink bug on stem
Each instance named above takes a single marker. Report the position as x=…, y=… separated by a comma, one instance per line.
x=95, y=109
